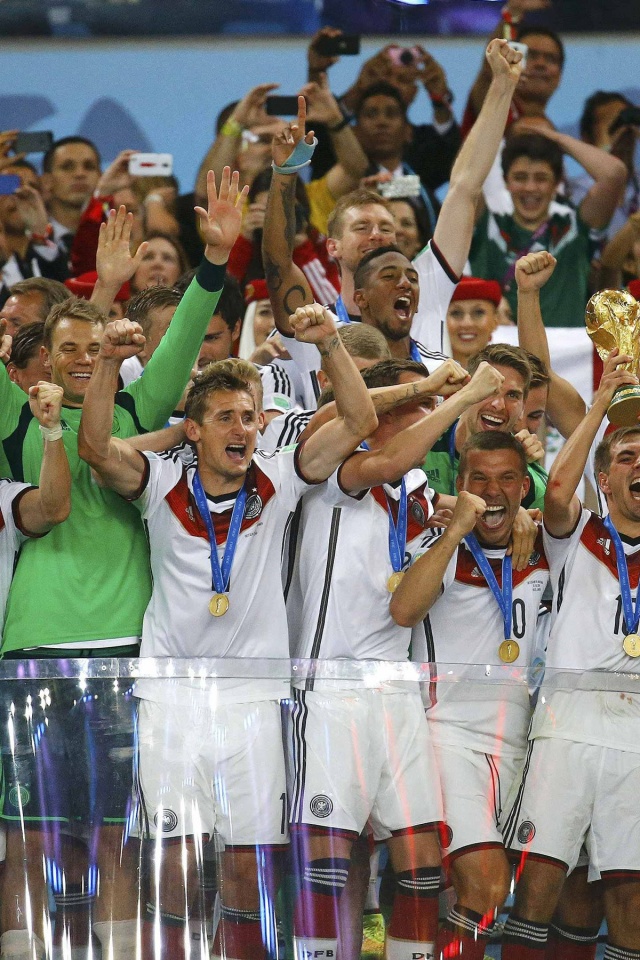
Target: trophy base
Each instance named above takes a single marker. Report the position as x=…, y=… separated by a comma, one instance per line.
x=624, y=409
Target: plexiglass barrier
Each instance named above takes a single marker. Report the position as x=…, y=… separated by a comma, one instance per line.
x=244, y=809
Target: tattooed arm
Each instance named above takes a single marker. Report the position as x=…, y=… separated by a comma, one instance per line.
x=287, y=284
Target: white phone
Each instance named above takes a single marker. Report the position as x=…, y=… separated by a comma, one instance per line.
x=151, y=165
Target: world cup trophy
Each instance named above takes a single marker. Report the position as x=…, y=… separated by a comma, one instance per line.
x=613, y=320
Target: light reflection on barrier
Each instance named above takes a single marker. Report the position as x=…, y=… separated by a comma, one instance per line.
x=204, y=808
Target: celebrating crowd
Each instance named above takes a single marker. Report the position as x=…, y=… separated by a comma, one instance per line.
x=266, y=437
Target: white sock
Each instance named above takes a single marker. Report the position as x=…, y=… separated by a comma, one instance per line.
x=316, y=947
x=117, y=938
x=407, y=950
x=21, y=945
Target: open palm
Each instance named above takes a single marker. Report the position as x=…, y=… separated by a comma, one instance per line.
x=220, y=222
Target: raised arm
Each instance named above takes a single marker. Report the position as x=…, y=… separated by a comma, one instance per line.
x=226, y=146
x=116, y=462
x=287, y=284
x=565, y=406
x=114, y=263
x=422, y=583
x=409, y=447
x=609, y=174
x=356, y=419
x=50, y=504
x=561, y=505
x=621, y=245
x=352, y=161
x=456, y=221
x=168, y=372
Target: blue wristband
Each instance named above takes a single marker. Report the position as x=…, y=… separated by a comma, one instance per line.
x=301, y=157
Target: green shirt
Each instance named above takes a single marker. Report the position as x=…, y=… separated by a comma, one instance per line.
x=498, y=242
x=441, y=467
x=90, y=579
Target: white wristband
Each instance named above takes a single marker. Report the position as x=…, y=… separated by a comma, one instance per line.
x=51, y=433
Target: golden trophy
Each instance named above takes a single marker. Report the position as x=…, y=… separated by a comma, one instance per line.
x=613, y=320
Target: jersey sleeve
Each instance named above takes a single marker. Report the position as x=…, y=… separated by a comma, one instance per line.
x=11, y=492
x=161, y=475
x=560, y=550
x=277, y=389
x=539, y=477
x=157, y=393
x=284, y=471
x=284, y=430
x=12, y=402
x=437, y=283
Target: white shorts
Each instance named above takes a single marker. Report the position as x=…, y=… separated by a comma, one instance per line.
x=201, y=770
x=474, y=789
x=363, y=755
x=574, y=791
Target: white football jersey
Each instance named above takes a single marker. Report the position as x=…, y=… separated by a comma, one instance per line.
x=343, y=567
x=177, y=622
x=11, y=534
x=586, y=695
x=464, y=628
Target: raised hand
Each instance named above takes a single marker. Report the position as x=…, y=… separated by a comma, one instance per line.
x=114, y=262
x=122, y=339
x=505, y=62
x=468, y=509
x=523, y=537
x=6, y=343
x=533, y=271
x=286, y=140
x=251, y=110
x=32, y=209
x=485, y=382
x=613, y=377
x=322, y=106
x=313, y=323
x=319, y=61
x=116, y=176
x=45, y=401
x=220, y=223
x=533, y=448
x=449, y=377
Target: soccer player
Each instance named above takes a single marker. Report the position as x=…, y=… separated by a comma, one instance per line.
x=368, y=224
x=356, y=539
x=582, y=775
x=235, y=501
x=499, y=413
x=476, y=609
x=100, y=589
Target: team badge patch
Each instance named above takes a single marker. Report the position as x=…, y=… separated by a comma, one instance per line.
x=321, y=806
x=19, y=797
x=417, y=512
x=168, y=820
x=526, y=832
x=253, y=507
x=533, y=559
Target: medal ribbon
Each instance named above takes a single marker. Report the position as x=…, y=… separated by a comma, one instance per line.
x=220, y=574
x=341, y=310
x=631, y=613
x=502, y=596
x=398, y=531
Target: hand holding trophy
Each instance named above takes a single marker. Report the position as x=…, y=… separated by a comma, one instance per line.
x=613, y=320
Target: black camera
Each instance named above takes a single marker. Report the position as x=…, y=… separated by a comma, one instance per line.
x=629, y=117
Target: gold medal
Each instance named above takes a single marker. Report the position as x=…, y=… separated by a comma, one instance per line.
x=508, y=651
x=394, y=581
x=631, y=645
x=218, y=605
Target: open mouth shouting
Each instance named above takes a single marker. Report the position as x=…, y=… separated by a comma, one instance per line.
x=494, y=517
x=490, y=421
x=236, y=452
x=402, y=308
x=634, y=488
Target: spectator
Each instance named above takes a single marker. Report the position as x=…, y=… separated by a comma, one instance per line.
x=26, y=366
x=84, y=287
x=532, y=167
x=431, y=148
x=412, y=225
x=70, y=174
x=31, y=300
x=472, y=317
x=258, y=320
x=162, y=263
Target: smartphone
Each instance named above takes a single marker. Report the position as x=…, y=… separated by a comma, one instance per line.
x=9, y=183
x=282, y=106
x=37, y=141
x=151, y=165
x=629, y=117
x=406, y=186
x=348, y=45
